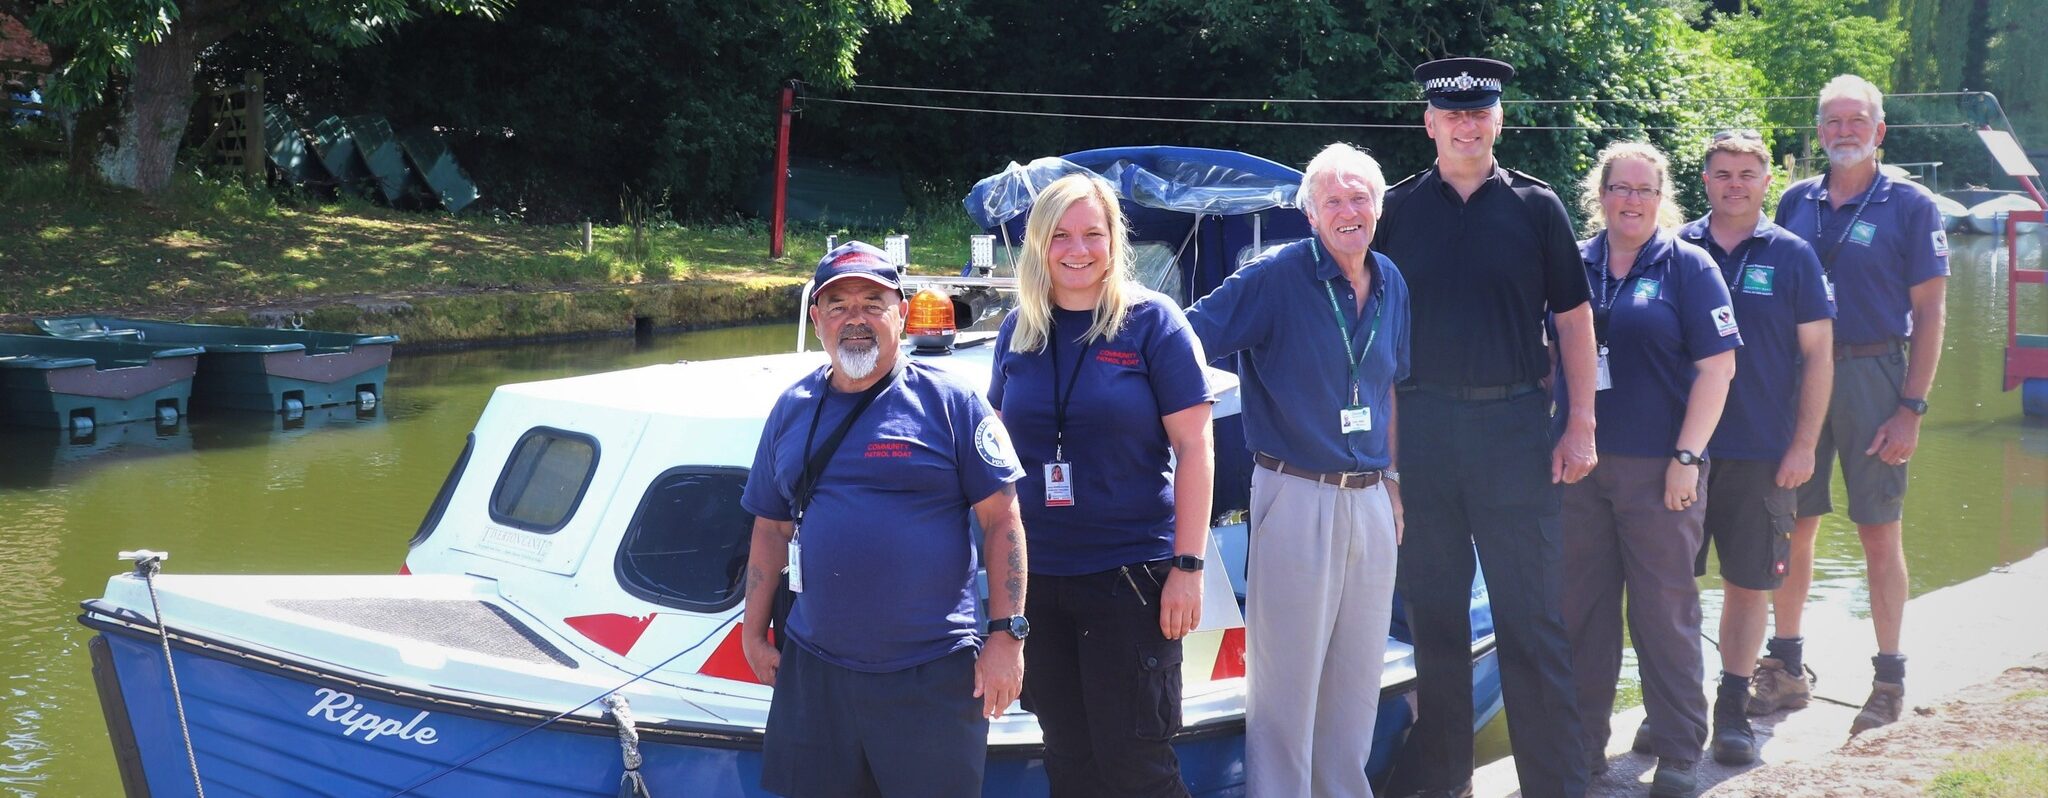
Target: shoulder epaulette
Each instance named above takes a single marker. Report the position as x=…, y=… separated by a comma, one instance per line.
x=1526, y=176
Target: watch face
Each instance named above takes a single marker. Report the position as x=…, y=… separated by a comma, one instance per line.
x=1020, y=627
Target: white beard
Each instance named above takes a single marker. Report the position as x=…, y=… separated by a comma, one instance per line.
x=858, y=364
x=1847, y=155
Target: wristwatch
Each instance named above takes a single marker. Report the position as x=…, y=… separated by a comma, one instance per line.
x=1687, y=457
x=1017, y=625
x=1918, y=406
x=1390, y=475
x=1187, y=562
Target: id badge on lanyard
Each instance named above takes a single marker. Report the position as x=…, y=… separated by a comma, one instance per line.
x=1355, y=418
x=1059, y=484
x=1604, y=379
x=796, y=566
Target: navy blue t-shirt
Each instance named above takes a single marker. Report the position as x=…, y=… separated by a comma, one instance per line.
x=1775, y=282
x=1114, y=439
x=1895, y=243
x=1670, y=311
x=1293, y=376
x=888, y=560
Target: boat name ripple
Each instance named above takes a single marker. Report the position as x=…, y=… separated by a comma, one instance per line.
x=340, y=707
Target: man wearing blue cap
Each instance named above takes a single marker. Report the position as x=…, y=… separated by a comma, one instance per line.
x=1489, y=253
x=886, y=685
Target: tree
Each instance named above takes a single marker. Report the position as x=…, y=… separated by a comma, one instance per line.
x=1799, y=45
x=141, y=55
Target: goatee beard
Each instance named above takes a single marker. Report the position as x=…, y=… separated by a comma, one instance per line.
x=857, y=364
x=1847, y=155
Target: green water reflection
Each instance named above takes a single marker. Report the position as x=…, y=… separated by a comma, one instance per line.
x=342, y=494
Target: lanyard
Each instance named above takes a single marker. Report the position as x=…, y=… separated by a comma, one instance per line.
x=1748, y=247
x=1827, y=264
x=1351, y=361
x=1060, y=399
x=815, y=462
x=1610, y=287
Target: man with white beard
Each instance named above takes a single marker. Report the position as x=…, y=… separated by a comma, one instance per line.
x=1882, y=248
x=861, y=489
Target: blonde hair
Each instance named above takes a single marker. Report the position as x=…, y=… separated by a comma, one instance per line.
x=1595, y=183
x=1854, y=88
x=1034, y=275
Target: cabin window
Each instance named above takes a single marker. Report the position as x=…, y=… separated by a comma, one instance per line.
x=1155, y=266
x=687, y=545
x=544, y=479
x=440, y=505
x=1246, y=254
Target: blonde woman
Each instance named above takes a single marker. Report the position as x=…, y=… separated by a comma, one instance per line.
x=1100, y=383
x=1667, y=336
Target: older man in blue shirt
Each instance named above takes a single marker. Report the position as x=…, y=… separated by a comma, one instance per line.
x=1322, y=327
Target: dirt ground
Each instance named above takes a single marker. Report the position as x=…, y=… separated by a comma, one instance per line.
x=1904, y=758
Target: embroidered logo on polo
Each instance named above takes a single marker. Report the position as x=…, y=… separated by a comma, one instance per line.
x=1757, y=280
x=1724, y=320
x=1940, y=239
x=992, y=441
x=1647, y=288
x=1863, y=232
x=1117, y=358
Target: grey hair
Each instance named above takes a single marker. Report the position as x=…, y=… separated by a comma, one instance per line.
x=1851, y=87
x=1341, y=158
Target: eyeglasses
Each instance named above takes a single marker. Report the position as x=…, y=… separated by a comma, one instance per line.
x=1741, y=133
x=1646, y=192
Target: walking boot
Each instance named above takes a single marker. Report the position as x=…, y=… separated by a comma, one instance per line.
x=1675, y=778
x=1734, y=740
x=1773, y=688
x=1641, y=745
x=1881, y=709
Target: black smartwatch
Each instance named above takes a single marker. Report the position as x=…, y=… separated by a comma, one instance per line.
x=1186, y=562
x=1017, y=625
x=1918, y=406
x=1687, y=457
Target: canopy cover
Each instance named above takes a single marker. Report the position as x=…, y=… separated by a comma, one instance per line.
x=1180, y=179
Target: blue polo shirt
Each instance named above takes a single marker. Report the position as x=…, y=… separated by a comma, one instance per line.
x=888, y=559
x=1894, y=243
x=1294, y=379
x=1671, y=310
x=1114, y=441
x=1775, y=282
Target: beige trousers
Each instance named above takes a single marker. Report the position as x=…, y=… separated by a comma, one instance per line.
x=1320, y=590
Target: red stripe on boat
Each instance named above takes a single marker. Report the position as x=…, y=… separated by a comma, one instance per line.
x=403, y=570
x=729, y=661
x=1230, y=655
x=611, y=630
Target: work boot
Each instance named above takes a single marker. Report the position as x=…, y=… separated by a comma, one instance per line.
x=1675, y=778
x=1642, y=741
x=1734, y=740
x=1882, y=708
x=1773, y=688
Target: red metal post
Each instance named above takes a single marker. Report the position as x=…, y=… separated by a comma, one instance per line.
x=782, y=116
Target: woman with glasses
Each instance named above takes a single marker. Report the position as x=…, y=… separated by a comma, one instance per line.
x=1100, y=382
x=1666, y=334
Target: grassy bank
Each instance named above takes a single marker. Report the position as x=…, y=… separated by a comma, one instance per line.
x=68, y=248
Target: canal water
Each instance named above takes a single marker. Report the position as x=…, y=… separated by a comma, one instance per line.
x=341, y=493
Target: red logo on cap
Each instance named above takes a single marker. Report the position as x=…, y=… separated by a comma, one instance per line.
x=852, y=260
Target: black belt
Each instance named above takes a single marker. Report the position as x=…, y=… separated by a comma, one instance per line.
x=1846, y=351
x=1475, y=393
x=1355, y=480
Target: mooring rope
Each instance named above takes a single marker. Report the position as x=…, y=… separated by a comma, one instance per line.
x=147, y=563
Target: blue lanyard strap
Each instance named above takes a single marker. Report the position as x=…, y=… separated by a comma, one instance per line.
x=1827, y=263
x=1351, y=361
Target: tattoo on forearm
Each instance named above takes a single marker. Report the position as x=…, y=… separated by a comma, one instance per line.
x=754, y=577
x=1016, y=581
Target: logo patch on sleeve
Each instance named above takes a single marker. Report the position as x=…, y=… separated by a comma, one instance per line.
x=1724, y=320
x=992, y=440
x=1940, y=238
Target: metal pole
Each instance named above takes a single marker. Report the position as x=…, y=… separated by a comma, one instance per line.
x=782, y=115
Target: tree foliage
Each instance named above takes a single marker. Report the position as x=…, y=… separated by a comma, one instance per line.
x=1799, y=45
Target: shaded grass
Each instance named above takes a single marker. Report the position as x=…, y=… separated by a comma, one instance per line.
x=2013, y=770
x=67, y=247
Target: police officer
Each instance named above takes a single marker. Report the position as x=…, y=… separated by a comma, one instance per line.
x=1882, y=247
x=886, y=686
x=1488, y=252
x=1763, y=448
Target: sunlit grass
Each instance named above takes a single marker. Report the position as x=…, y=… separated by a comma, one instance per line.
x=2013, y=770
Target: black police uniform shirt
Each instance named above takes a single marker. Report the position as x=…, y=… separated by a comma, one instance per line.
x=1482, y=275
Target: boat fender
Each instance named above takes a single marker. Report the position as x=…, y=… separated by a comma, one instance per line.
x=631, y=783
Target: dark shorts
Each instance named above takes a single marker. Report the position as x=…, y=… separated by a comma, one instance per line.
x=1866, y=394
x=835, y=732
x=1749, y=522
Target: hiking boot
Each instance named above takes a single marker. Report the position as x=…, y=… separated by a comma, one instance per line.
x=1675, y=778
x=1882, y=708
x=1773, y=688
x=1642, y=741
x=1734, y=740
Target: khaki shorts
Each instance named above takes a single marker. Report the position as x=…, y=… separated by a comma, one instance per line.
x=1749, y=521
x=1866, y=394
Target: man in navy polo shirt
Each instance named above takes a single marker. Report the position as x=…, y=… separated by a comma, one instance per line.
x=861, y=487
x=1763, y=448
x=1882, y=247
x=1322, y=326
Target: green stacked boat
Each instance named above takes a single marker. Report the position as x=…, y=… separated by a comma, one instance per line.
x=255, y=368
x=57, y=383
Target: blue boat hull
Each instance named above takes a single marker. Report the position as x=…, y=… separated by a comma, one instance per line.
x=263, y=729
